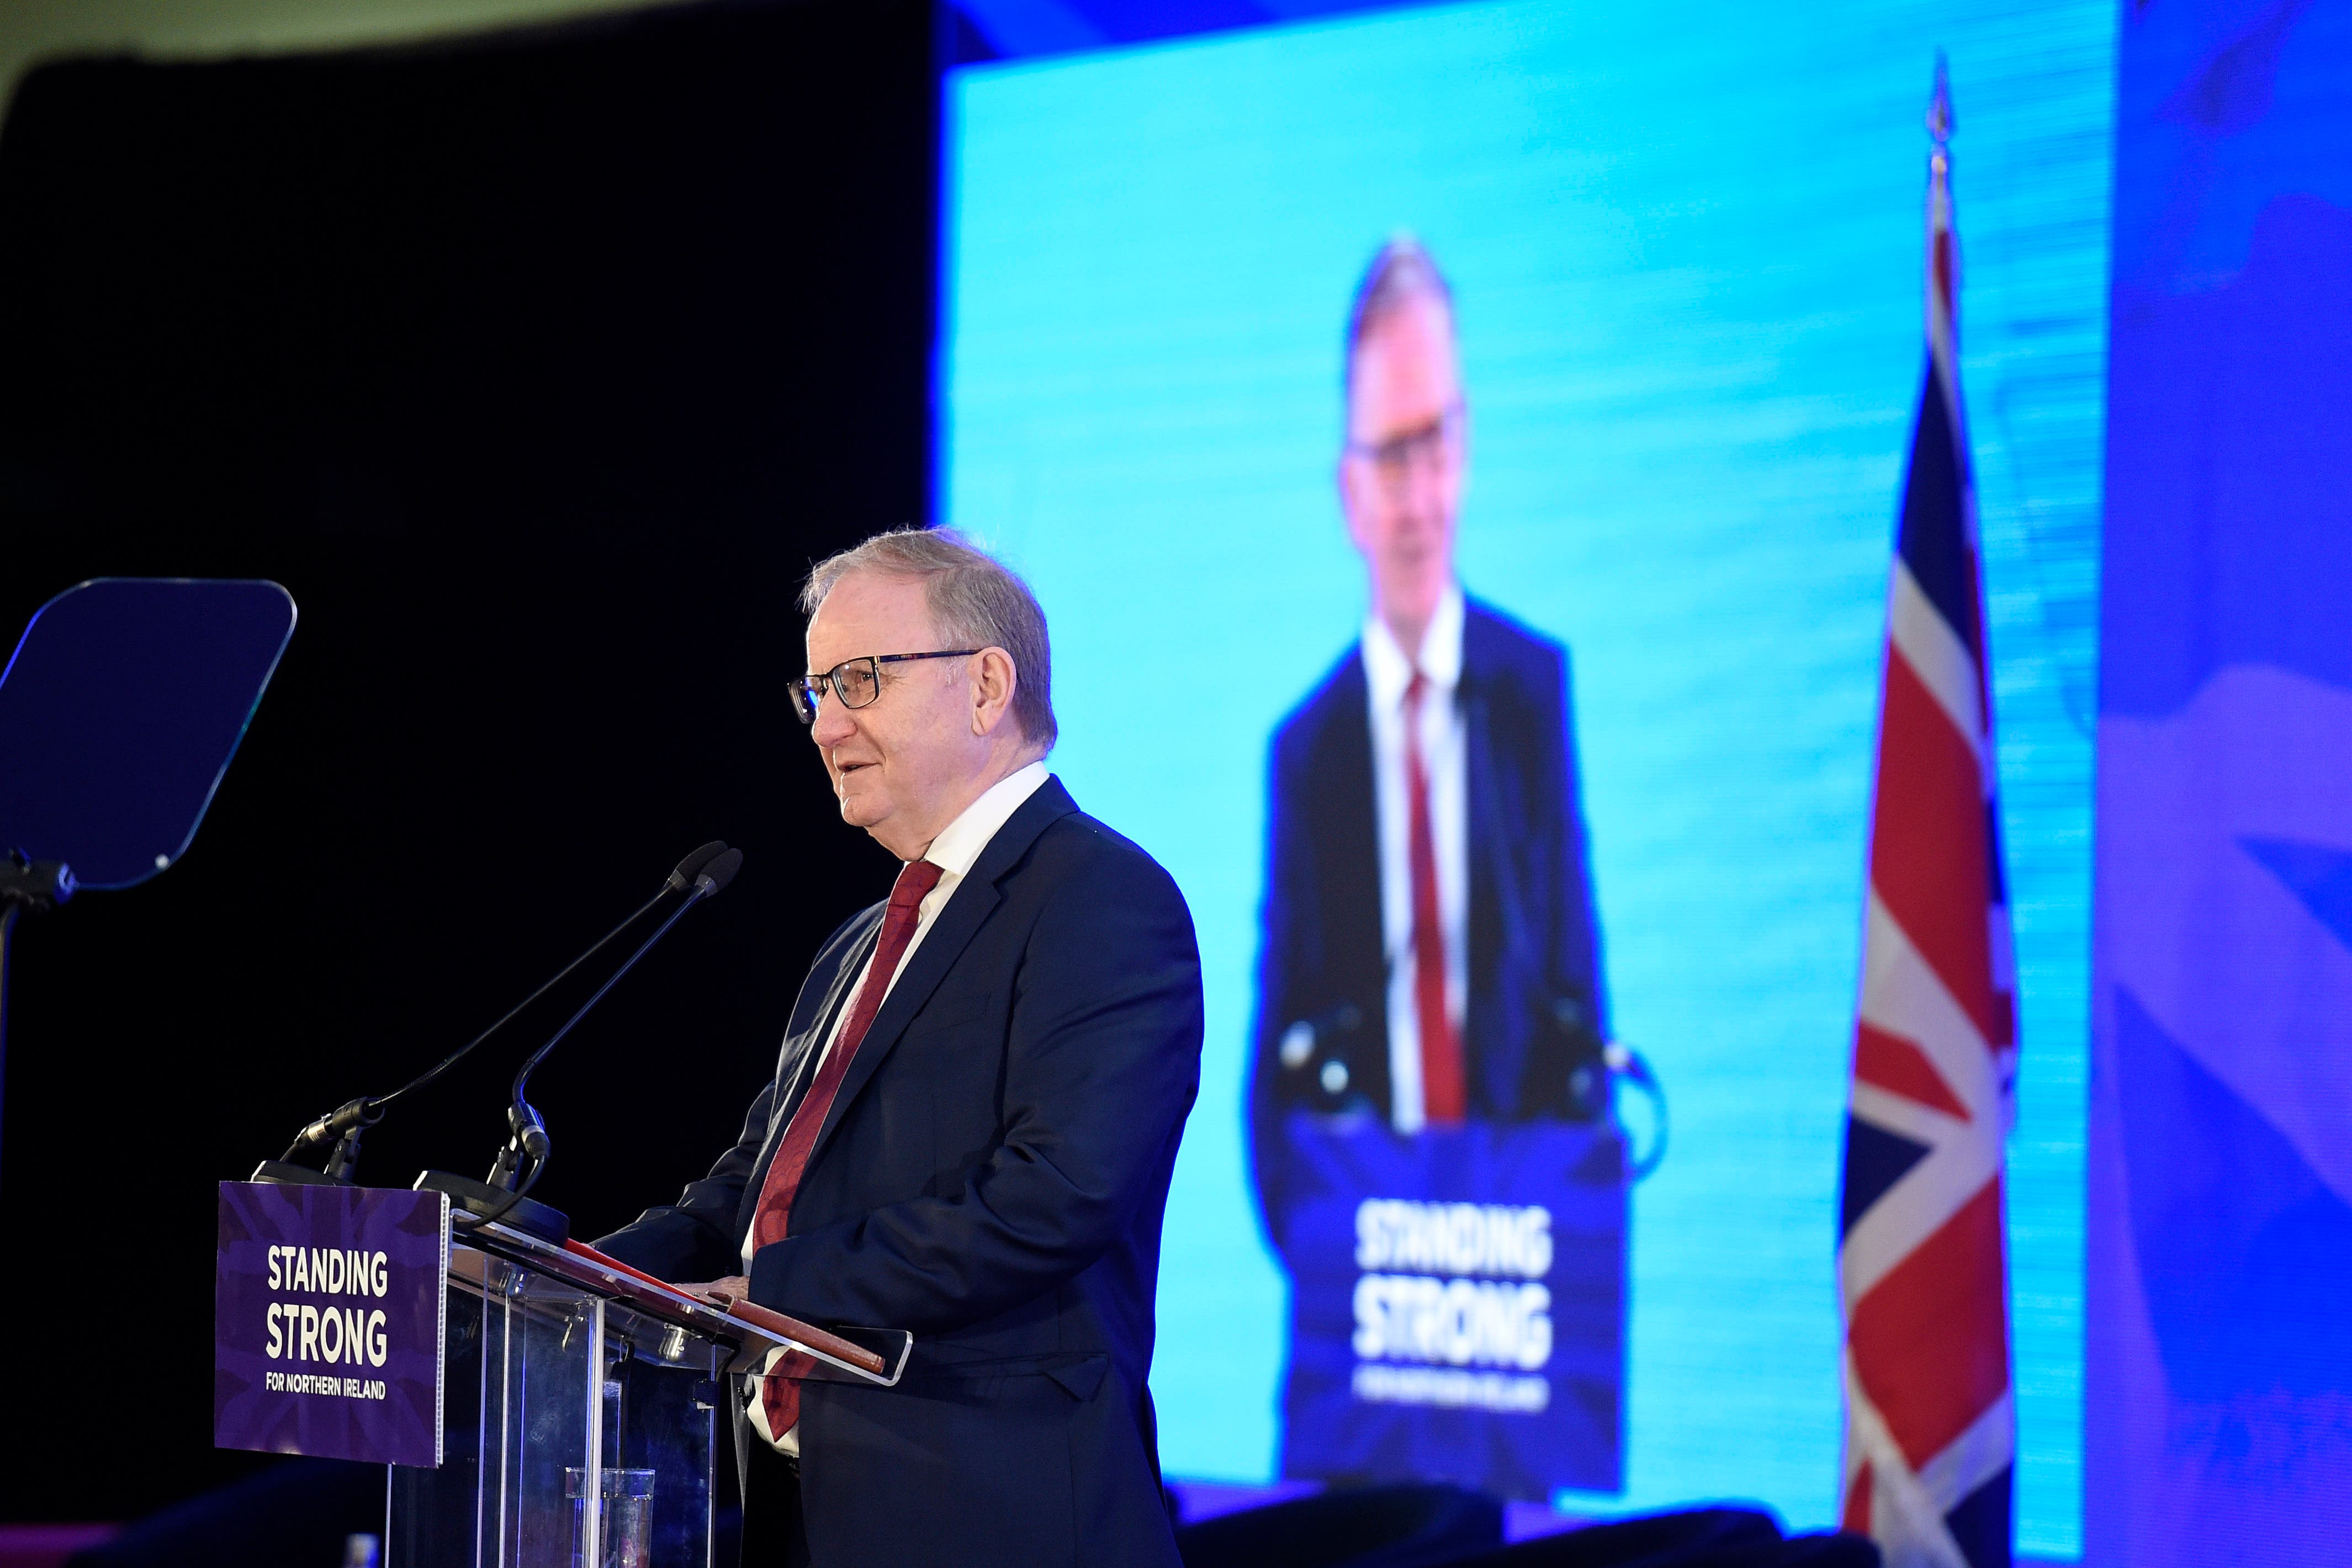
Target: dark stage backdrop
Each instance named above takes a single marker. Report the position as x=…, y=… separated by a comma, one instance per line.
x=538, y=369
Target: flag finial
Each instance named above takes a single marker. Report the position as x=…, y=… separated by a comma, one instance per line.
x=1940, y=105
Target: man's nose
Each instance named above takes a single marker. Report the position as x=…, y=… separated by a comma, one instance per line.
x=833, y=724
x=1417, y=503
x=1425, y=485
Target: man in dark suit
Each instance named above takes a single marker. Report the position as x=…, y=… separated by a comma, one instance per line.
x=1429, y=951
x=973, y=1121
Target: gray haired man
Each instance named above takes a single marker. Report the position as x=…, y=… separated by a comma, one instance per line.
x=973, y=1119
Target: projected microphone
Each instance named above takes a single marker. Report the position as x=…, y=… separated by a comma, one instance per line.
x=1317, y=1050
x=340, y=1129
x=1628, y=1064
x=1299, y=1040
x=519, y=1163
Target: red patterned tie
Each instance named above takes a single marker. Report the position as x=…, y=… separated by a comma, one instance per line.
x=1443, y=1098
x=780, y=1391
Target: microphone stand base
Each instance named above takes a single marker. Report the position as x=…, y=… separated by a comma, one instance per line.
x=290, y=1176
x=482, y=1200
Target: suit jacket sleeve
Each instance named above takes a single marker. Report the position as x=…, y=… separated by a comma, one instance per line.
x=694, y=1238
x=1576, y=952
x=1102, y=1062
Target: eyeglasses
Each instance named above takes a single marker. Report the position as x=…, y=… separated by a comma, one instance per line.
x=856, y=681
x=1398, y=454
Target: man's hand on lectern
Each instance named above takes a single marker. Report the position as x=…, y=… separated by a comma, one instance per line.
x=735, y=1287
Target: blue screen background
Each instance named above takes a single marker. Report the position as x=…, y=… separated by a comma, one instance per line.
x=1685, y=249
x=2220, y=1358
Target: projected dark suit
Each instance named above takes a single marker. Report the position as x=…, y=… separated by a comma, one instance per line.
x=1536, y=1014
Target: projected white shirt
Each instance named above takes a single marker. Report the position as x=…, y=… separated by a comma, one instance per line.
x=1446, y=763
x=953, y=851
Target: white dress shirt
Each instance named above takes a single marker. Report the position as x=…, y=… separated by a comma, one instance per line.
x=953, y=851
x=1444, y=761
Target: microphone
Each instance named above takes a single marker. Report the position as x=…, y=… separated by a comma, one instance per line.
x=527, y=1147
x=1299, y=1040
x=339, y=1131
x=693, y=865
x=1628, y=1064
x=1317, y=1042
x=1600, y=1063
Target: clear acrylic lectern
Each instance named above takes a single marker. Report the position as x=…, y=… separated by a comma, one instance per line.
x=586, y=1412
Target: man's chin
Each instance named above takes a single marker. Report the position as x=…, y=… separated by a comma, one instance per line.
x=861, y=808
x=1422, y=574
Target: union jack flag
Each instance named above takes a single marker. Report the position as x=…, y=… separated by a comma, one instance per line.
x=1931, y=1431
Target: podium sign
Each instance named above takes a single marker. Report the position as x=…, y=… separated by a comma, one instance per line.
x=1457, y=1304
x=327, y=1322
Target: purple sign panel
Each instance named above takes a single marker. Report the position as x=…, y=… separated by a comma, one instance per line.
x=327, y=1322
x=1457, y=1305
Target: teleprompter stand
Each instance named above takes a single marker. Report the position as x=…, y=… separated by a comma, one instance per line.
x=119, y=709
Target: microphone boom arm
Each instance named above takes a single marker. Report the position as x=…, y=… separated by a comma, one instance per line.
x=528, y=1130
x=340, y=1129
x=526, y=1151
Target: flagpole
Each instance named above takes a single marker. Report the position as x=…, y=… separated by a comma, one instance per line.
x=1930, y=1429
x=1942, y=292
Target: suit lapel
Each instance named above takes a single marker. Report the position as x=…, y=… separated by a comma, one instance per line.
x=837, y=995
x=1498, y=922
x=796, y=1070
x=951, y=931
x=1344, y=811
x=1494, y=896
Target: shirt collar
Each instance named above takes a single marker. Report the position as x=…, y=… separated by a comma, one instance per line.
x=960, y=841
x=1388, y=669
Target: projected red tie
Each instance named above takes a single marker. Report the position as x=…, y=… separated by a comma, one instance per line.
x=1442, y=1094
x=782, y=1394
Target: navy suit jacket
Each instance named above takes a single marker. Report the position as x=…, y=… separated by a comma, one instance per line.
x=992, y=1176
x=1536, y=1014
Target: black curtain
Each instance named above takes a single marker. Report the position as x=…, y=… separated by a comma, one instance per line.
x=539, y=368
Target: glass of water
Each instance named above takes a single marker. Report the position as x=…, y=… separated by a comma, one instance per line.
x=628, y=1522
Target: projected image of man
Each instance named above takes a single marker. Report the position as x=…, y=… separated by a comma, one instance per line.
x=1428, y=953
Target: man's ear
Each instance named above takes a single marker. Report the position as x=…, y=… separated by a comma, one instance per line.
x=1346, y=479
x=994, y=679
x=1462, y=457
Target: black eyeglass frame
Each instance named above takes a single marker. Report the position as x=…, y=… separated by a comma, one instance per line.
x=808, y=691
x=1392, y=455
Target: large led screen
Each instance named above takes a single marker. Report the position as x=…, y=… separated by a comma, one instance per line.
x=1659, y=415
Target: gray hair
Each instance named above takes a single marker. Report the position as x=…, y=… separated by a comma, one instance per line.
x=1402, y=272
x=975, y=601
